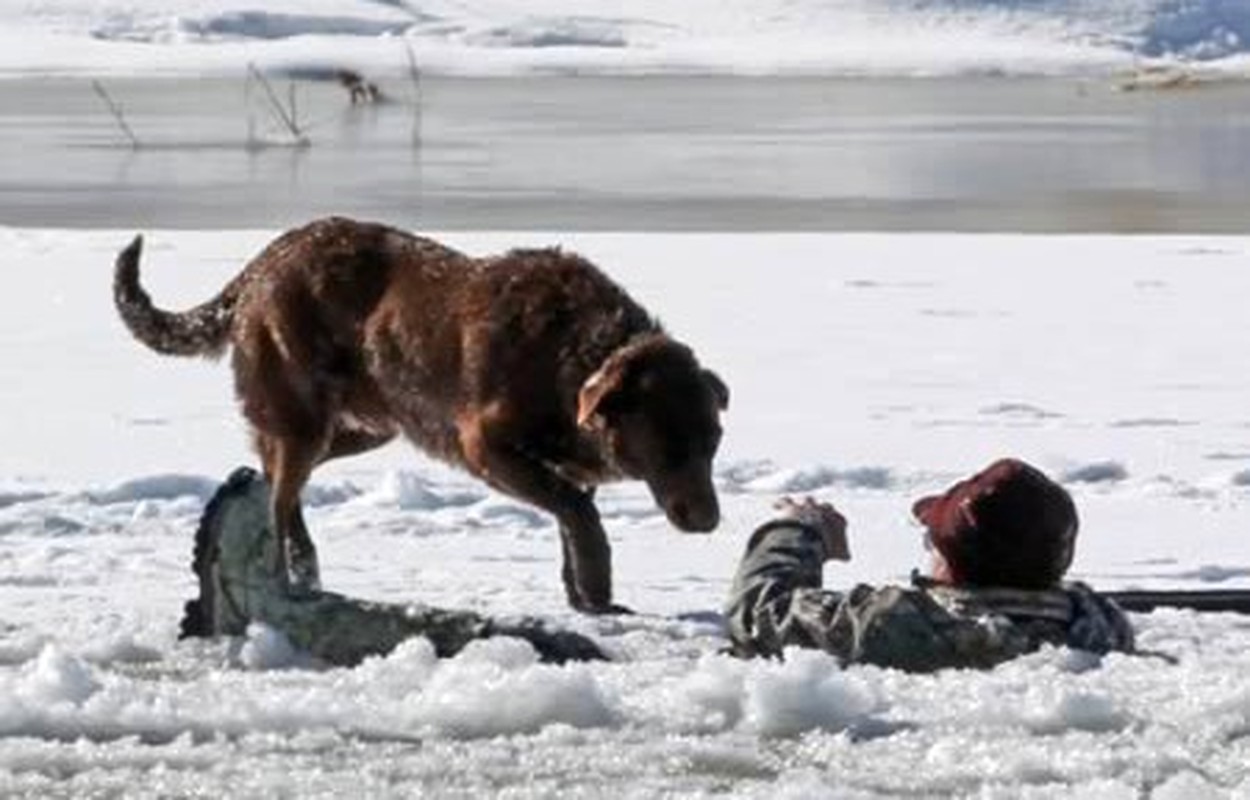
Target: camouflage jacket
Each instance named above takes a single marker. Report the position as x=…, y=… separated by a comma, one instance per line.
x=777, y=601
x=242, y=581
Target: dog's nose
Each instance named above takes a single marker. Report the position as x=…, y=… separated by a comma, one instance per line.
x=694, y=519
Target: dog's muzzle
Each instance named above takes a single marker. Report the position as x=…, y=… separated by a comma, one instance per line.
x=693, y=517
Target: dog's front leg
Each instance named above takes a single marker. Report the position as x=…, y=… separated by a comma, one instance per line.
x=587, y=569
x=587, y=566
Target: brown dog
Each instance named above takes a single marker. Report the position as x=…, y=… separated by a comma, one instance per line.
x=358, y=89
x=532, y=370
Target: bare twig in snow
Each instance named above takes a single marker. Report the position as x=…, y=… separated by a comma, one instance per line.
x=414, y=75
x=116, y=111
x=285, y=116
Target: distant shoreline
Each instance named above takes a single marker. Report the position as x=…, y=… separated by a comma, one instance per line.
x=696, y=153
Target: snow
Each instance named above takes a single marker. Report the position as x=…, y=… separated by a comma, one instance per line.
x=510, y=37
x=805, y=694
x=872, y=370
x=157, y=487
x=266, y=648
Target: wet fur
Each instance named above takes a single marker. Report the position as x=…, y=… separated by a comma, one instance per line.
x=531, y=370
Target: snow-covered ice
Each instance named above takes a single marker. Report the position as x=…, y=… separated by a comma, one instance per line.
x=865, y=369
x=505, y=37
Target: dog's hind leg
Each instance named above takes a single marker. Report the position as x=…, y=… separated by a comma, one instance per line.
x=288, y=465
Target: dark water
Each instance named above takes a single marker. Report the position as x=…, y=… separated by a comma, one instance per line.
x=575, y=153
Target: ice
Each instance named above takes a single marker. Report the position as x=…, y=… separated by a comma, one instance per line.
x=810, y=479
x=1096, y=472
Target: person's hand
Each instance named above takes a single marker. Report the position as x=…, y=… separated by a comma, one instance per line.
x=822, y=518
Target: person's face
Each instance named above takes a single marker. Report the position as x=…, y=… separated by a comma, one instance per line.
x=943, y=515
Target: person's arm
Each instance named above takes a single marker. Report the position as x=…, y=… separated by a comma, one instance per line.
x=776, y=599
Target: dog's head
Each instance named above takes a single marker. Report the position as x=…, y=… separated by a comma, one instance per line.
x=658, y=413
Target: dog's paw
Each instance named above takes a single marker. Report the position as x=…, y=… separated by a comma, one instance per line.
x=300, y=583
x=606, y=609
x=303, y=575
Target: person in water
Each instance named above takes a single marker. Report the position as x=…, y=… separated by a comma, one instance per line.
x=1001, y=542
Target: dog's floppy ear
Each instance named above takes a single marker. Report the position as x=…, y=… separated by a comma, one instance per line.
x=718, y=387
x=607, y=380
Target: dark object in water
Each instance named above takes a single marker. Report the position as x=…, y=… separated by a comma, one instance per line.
x=234, y=563
x=1236, y=601
x=359, y=89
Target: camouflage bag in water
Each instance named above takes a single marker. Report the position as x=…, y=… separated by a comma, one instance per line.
x=241, y=581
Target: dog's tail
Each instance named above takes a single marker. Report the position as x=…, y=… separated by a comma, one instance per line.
x=200, y=331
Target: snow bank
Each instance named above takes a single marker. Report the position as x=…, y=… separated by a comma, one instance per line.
x=874, y=37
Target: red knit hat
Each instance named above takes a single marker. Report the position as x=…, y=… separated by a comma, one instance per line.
x=1008, y=525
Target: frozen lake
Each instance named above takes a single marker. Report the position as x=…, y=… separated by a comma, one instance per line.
x=620, y=153
x=866, y=369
